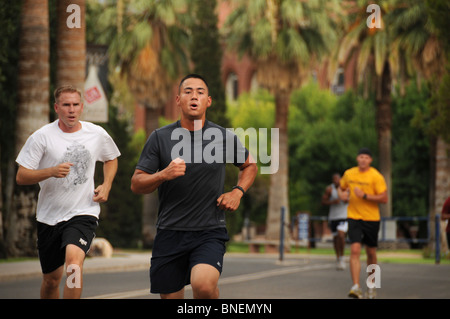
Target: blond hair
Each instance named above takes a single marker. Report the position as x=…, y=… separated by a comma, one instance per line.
x=65, y=89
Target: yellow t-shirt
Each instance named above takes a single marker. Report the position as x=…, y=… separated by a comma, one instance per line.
x=370, y=182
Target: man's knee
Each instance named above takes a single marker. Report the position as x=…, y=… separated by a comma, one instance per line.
x=204, y=279
x=205, y=290
x=355, y=248
x=52, y=280
x=74, y=255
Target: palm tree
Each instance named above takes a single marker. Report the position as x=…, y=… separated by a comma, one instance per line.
x=207, y=58
x=283, y=37
x=9, y=47
x=415, y=48
x=32, y=113
x=149, y=46
x=375, y=70
x=70, y=46
x=417, y=35
x=405, y=46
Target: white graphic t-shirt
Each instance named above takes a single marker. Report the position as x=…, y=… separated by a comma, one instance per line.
x=60, y=199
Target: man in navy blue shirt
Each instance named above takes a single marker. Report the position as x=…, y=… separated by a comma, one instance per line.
x=186, y=162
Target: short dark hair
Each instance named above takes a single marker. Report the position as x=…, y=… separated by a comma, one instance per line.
x=190, y=76
x=365, y=151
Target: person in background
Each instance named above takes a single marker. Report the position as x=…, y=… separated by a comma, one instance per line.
x=445, y=215
x=337, y=218
x=364, y=187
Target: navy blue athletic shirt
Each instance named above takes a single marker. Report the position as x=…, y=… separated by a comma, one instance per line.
x=189, y=202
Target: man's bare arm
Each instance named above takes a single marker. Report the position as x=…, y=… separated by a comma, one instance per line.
x=101, y=193
x=145, y=183
x=230, y=201
x=26, y=176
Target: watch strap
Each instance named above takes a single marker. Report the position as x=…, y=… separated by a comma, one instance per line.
x=240, y=188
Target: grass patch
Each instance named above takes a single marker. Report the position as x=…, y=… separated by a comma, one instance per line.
x=408, y=256
x=16, y=259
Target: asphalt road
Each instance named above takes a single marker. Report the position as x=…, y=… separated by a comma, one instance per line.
x=264, y=277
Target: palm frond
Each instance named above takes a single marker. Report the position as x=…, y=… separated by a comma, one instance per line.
x=261, y=38
x=291, y=46
x=292, y=12
x=364, y=54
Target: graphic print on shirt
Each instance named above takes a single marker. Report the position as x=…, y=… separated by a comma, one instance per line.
x=80, y=157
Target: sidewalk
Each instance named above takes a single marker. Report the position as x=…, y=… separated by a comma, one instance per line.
x=119, y=262
x=123, y=261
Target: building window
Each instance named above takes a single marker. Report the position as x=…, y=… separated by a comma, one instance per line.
x=254, y=86
x=232, y=87
x=338, y=84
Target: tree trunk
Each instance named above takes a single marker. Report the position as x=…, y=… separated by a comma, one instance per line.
x=278, y=192
x=32, y=113
x=441, y=173
x=384, y=130
x=151, y=202
x=71, y=45
x=2, y=241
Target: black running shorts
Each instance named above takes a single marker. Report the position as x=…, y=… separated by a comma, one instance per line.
x=176, y=252
x=52, y=240
x=365, y=232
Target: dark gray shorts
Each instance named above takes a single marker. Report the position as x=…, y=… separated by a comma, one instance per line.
x=176, y=252
x=52, y=240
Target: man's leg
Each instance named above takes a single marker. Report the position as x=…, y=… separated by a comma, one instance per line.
x=340, y=243
x=371, y=234
x=175, y=295
x=355, y=264
x=50, y=284
x=371, y=255
x=74, y=269
x=335, y=246
x=204, y=280
x=371, y=259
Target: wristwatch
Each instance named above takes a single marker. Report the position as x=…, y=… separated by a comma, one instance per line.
x=365, y=196
x=240, y=188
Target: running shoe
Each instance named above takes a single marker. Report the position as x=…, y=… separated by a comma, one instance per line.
x=340, y=264
x=371, y=293
x=355, y=292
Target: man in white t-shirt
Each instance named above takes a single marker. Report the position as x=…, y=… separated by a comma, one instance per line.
x=61, y=157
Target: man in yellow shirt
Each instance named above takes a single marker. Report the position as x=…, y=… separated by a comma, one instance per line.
x=367, y=189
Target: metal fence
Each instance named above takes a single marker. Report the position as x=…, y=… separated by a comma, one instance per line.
x=414, y=231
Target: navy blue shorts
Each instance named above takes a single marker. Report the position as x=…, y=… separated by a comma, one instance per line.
x=52, y=240
x=176, y=252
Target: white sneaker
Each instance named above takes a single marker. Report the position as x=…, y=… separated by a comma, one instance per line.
x=341, y=263
x=355, y=292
